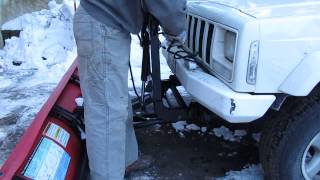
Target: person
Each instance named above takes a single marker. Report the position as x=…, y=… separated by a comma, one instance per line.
x=102, y=32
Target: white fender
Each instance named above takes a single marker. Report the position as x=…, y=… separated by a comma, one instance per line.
x=304, y=77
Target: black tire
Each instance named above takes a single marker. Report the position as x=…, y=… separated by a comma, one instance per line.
x=286, y=136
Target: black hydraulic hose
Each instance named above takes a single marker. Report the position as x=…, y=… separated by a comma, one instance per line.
x=133, y=83
x=182, y=53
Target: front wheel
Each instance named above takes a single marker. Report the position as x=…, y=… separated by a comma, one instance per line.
x=311, y=159
x=290, y=143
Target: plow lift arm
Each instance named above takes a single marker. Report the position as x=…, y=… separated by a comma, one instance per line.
x=161, y=114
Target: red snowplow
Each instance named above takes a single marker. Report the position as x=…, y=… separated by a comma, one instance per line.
x=52, y=148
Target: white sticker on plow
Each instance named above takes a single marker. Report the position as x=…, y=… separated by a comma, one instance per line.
x=49, y=162
x=58, y=134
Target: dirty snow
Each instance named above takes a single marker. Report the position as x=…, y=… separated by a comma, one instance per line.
x=184, y=126
x=228, y=135
x=221, y=132
x=250, y=172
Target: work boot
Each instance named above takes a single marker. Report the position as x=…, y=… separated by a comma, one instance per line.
x=144, y=162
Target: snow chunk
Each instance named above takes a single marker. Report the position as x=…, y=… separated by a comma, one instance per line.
x=228, y=135
x=240, y=133
x=179, y=126
x=79, y=101
x=181, y=134
x=144, y=177
x=204, y=129
x=250, y=172
x=193, y=127
x=256, y=136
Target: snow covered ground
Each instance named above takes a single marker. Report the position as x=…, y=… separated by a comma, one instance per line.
x=32, y=65
x=44, y=51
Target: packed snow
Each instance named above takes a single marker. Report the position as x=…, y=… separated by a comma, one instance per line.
x=31, y=66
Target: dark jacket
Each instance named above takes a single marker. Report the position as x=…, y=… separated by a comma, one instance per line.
x=128, y=14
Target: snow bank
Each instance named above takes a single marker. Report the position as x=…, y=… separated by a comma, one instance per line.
x=42, y=54
x=45, y=42
x=250, y=172
x=44, y=50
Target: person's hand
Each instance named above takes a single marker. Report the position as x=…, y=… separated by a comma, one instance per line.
x=181, y=38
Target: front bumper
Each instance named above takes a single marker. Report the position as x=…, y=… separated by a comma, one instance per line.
x=216, y=96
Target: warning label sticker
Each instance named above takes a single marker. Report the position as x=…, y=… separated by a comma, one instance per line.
x=49, y=162
x=57, y=133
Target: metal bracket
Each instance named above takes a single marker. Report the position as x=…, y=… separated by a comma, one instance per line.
x=280, y=99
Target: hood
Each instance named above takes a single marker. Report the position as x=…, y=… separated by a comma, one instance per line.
x=267, y=8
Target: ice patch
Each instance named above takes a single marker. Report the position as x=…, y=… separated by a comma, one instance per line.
x=228, y=135
x=250, y=172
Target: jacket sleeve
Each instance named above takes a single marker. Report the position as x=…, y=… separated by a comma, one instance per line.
x=170, y=13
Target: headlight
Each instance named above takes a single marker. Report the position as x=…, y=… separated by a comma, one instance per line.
x=229, y=45
x=253, y=63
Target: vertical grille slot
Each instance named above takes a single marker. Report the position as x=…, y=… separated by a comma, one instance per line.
x=201, y=38
x=189, y=30
x=194, y=34
x=209, y=43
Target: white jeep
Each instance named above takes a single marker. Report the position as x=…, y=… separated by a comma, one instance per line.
x=254, y=57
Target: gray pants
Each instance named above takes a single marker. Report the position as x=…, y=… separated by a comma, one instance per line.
x=104, y=54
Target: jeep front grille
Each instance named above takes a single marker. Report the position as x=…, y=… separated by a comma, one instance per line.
x=196, y=40
x=207, y=40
